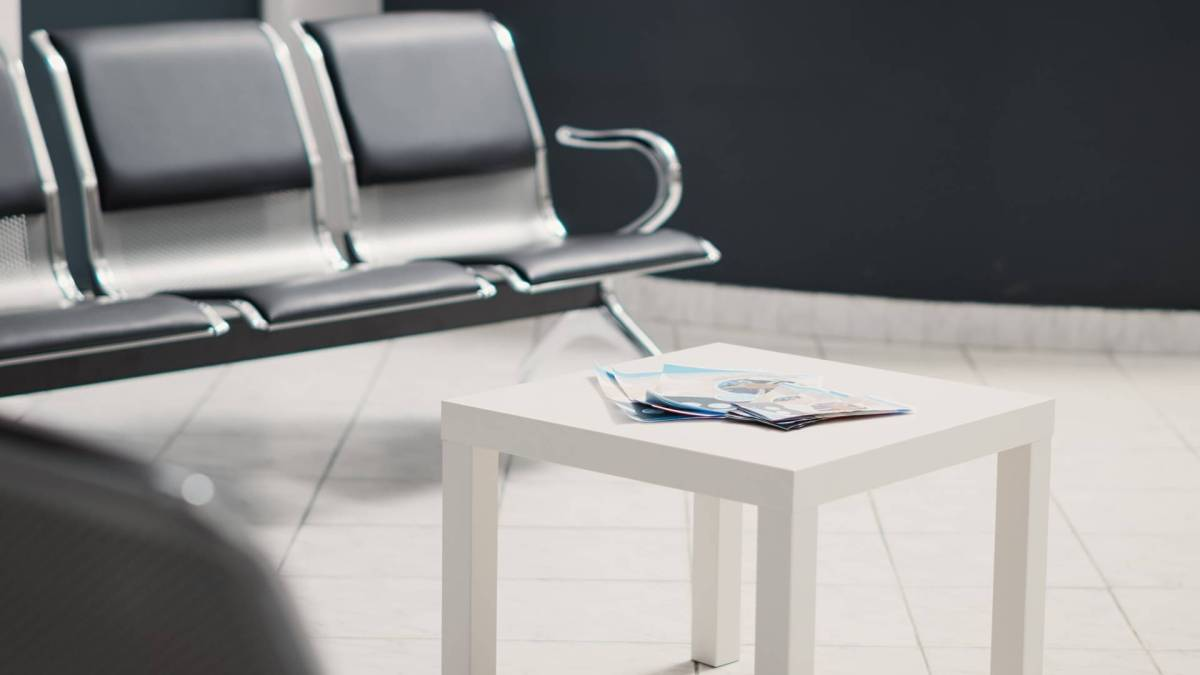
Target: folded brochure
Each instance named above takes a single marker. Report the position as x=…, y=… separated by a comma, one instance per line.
x=636, y=409
x=679, y=392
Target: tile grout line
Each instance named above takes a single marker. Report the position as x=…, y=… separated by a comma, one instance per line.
x=1107, y=584
x=505, y=468
x=972, y=364
x=506, y=459
x=204, y=398
x=337, y=450
x=682, y=581
x=514, y=526
x=1166, y=419
x=887, y=547
x=1075, y=532
x=687, y=520
x=820, y=344
x=673, y=643
x=676, y=342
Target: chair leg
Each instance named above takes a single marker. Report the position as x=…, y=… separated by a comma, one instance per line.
x=633, y=332
x=572, y=326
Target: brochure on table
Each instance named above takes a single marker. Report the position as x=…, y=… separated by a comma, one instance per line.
x=682, y=393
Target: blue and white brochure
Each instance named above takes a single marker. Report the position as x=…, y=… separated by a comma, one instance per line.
x=679, y=392
x=716, y=391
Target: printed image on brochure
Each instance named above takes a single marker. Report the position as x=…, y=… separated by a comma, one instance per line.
x=793, y=403
x=712, y=391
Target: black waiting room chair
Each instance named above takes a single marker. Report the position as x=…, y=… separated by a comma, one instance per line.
x=113, y=566
x=204, y=213
x=43, y=315
x=444, y=157
x=201, y=178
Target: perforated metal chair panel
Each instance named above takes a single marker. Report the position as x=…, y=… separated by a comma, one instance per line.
x=26, y=273
x=448, y=217
x=102, y=572
x=27, y=276
x=233, y=242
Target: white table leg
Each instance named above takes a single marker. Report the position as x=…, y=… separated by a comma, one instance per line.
x=1019, y=595
x=716, y=580
x=786, y=615
x=469, y=520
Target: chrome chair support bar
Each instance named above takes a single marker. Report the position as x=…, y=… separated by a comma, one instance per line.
x=656, y=149
x=633, y=332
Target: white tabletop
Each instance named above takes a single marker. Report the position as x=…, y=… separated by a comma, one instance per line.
x=566, y=419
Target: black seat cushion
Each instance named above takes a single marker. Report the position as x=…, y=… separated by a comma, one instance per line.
x=597, y=254
x=99, y=324
x=184, y=111
x=357, y=290
x=425, y=95
x=20, y=186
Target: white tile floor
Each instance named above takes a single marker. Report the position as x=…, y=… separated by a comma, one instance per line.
x=332, y=460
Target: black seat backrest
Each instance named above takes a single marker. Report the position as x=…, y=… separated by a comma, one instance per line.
x=102, y=569
x=425, y=95
x=196, y=159
x=182, y=112
x=20, y=185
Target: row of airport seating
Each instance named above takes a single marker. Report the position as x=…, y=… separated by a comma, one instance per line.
x=204, y=212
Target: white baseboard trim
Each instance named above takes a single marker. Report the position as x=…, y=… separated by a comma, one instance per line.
x=863, y=317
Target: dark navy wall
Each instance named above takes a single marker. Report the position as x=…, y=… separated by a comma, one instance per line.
x=1035, y=151
x=51, y=14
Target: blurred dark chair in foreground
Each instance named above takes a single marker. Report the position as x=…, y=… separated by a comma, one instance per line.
x=109, y=566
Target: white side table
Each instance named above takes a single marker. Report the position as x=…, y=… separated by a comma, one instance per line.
x=788, y=475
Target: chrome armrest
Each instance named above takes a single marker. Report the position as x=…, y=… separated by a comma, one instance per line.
x=656, y=149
